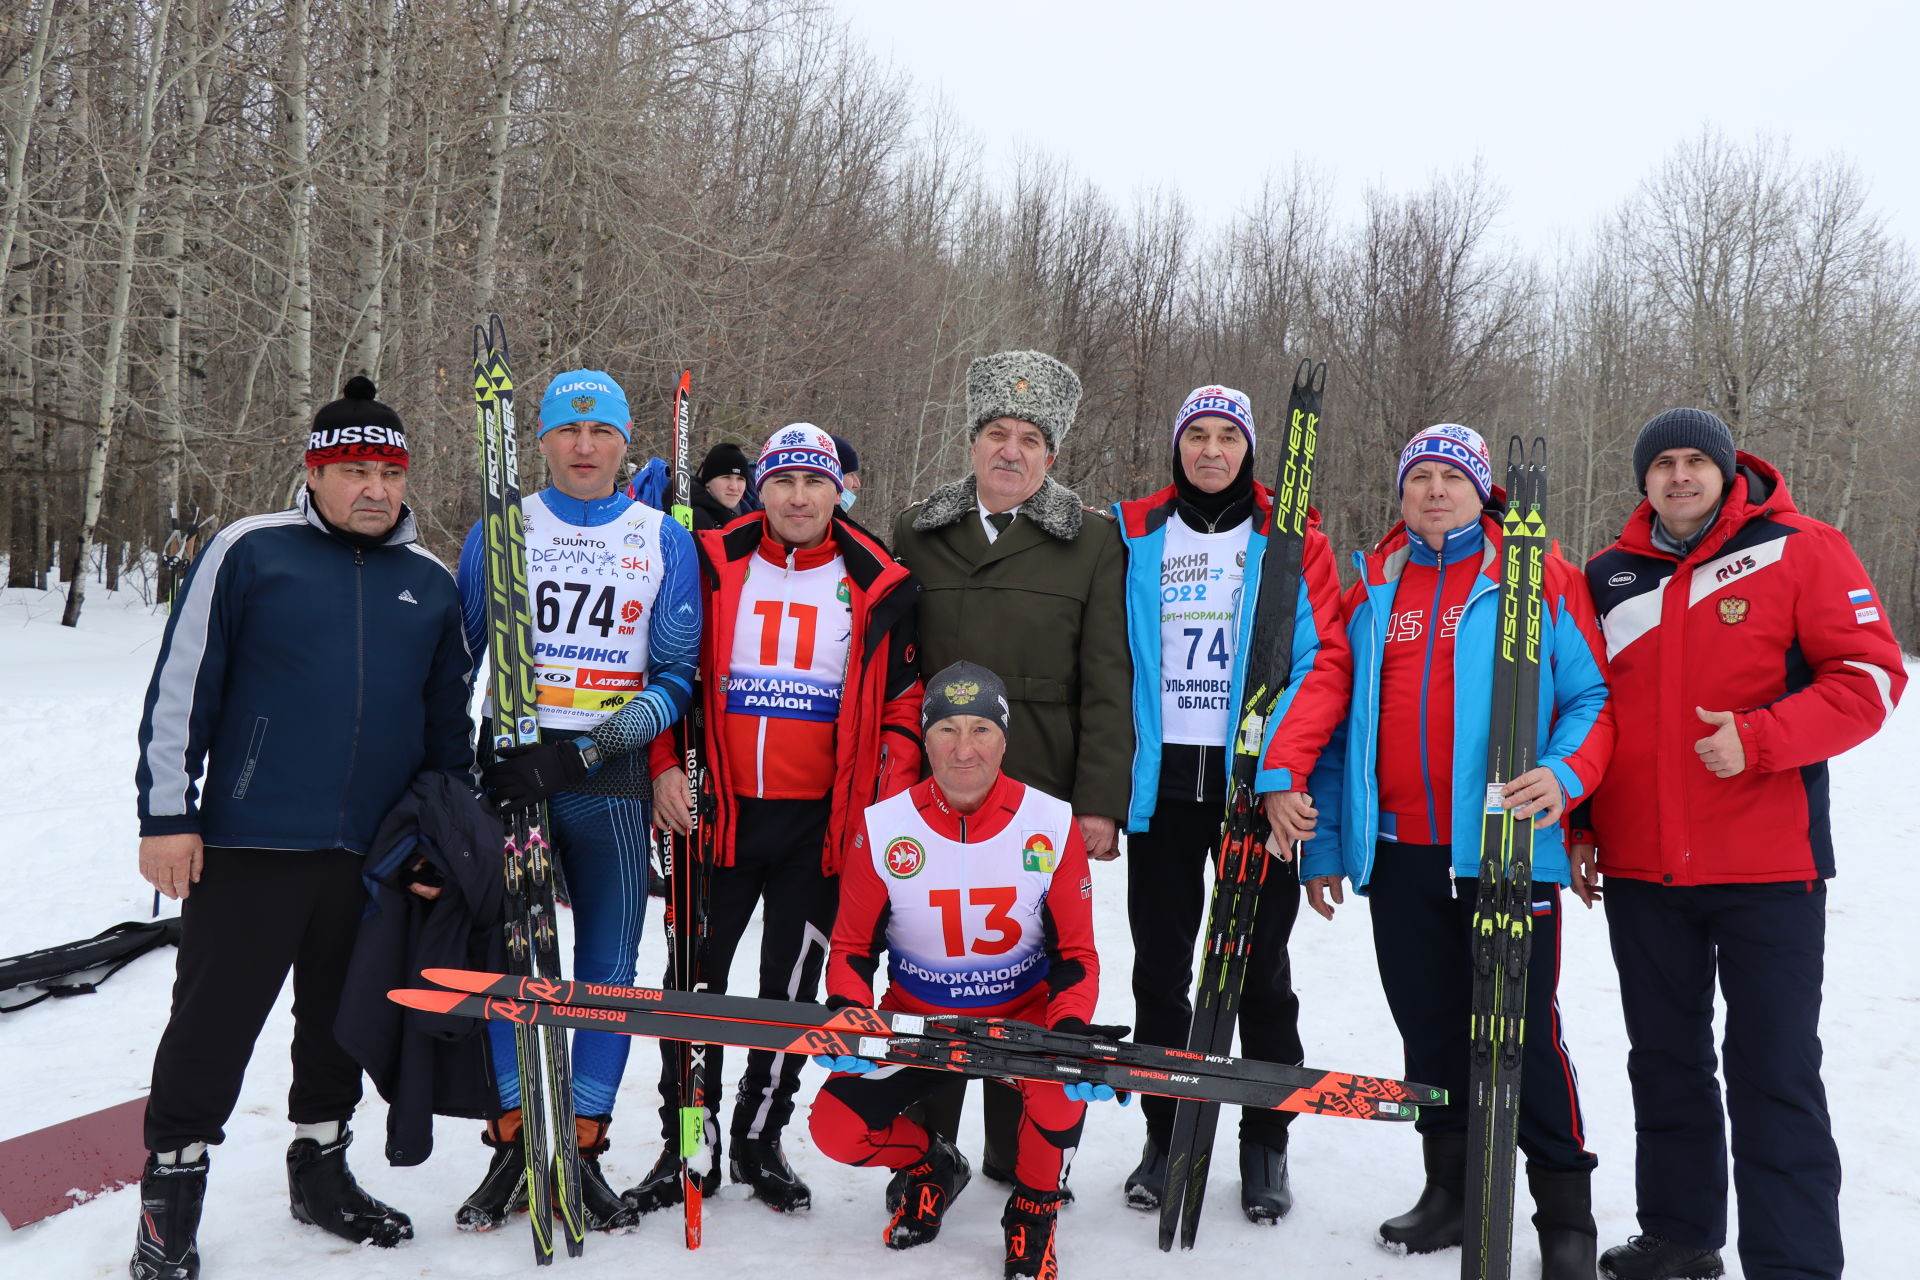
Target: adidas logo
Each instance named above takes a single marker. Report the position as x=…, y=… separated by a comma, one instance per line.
x=408, y=597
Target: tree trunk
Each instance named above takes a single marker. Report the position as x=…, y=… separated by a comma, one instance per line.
x=499, y=128
x=132, y=198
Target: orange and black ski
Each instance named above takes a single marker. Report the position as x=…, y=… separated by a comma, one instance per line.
x=975, y=1046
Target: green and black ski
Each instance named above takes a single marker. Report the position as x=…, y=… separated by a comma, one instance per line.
x=1503, y=916
x=532, y=931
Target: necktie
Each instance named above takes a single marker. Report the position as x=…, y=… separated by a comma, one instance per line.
x=1000, y=520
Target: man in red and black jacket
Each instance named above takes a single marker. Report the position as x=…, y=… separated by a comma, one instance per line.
x=809, y=680
x=977, y=888
x=1747, y=645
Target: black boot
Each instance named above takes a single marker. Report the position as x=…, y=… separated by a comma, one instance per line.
x=1027, y=1224
x=1147, y=1184
x=1266, y=1195
x=504, y=1190
x=762, y=1165
x=1647, y=1257
x=1438, y=1218
x=322, y=1193
x=606, y=1209
x=926, y=1193
x=1563, y=1217
x=170, y=1200
x=661, y=1187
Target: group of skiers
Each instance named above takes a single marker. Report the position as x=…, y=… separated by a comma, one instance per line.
x=916, y=750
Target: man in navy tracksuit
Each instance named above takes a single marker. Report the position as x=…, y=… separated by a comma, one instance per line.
x=314, y=663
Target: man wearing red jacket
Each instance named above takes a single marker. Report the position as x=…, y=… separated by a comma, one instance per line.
x=809, y=679
x=977, y=888
x=1747, y=645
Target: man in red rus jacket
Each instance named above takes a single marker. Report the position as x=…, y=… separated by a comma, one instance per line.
x=977, y=888
x=809, y=679
x=1747, y=645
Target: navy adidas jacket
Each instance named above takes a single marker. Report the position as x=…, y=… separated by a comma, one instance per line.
x=310, y=681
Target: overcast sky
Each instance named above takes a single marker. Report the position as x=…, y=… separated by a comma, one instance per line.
x=1571, y=105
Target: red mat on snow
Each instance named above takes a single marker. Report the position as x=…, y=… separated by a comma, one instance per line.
x=62, y=1165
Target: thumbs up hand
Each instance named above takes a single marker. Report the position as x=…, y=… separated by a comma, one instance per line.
x=1720, y=751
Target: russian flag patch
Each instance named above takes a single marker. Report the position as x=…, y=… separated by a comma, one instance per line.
x=1860, y=597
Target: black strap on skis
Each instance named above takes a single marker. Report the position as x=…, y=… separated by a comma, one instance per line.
x=78, y=968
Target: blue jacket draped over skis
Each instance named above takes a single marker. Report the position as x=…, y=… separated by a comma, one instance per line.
x=1575, y=730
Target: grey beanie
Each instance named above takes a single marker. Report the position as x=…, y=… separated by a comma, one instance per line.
x=1683, y=429
x=1029, y=385
x=965, y=689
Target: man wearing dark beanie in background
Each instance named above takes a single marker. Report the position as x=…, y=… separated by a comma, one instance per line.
x=1746, y=646
x=312, y=665
x=725, y=487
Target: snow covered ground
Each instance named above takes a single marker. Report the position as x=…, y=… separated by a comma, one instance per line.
x=67, y=721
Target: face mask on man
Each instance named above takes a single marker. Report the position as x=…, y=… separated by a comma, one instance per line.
x=847, y=498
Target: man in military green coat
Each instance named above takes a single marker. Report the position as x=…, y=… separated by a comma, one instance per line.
x=1020, y=577
x=1023, y=579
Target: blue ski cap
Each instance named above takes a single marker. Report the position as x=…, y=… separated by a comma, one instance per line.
x=585, y=395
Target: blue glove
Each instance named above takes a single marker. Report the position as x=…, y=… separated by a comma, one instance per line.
x=847, y=1064
x=1089, y=1091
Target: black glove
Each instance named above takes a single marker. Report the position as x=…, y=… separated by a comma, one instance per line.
x=521, y=777
x=1075, y=1027
x=835, y=1003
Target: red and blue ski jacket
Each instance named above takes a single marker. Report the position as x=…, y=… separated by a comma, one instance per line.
x=1317, y=686
x=1575, y=731
x=1771, y=617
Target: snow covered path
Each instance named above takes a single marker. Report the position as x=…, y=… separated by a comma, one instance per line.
x=67, y=721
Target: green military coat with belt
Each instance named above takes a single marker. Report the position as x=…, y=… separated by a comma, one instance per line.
x=1043, y=607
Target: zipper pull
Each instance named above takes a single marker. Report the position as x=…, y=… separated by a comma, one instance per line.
x=358, y=558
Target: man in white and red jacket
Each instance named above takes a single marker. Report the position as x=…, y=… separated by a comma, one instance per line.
x=809, y=682
x=1746, y=646
x=977, y=888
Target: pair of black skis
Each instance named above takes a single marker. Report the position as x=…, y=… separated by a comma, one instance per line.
x=1243, y=862
x=532, y=929
x=1503, y=907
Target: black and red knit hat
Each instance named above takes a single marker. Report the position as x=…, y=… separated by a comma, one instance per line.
x=356, y=426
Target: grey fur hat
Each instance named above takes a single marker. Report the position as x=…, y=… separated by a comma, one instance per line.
x=1029, y=385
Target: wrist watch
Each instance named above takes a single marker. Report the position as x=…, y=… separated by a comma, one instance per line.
x=589, y=751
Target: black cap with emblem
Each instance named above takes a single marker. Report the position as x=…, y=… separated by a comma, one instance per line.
x=965, y=689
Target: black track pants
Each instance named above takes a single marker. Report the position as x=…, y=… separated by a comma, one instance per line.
x=777, y=847
x=256, y=914
x=1169, y=882
x=1422, y=922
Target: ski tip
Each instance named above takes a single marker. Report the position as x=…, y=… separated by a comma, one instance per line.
x=460, y=979
x=1303, y=375
x=686, y=381
x=430, y=1001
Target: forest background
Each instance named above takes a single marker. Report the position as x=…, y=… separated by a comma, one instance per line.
x=214, y=213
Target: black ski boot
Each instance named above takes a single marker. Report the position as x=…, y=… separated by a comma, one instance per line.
x=1027, y=1223
x=1563, y=1217
x=503, y=1191
x=170, y=1200
x=1266, y=1194
x=322, y=1193
x=1648, y=1257
x=606, y=1209
x=1438, y=1218
x=661, y=1187
x=762, y=1165
x=1146, y=1186
x=926, y=1193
